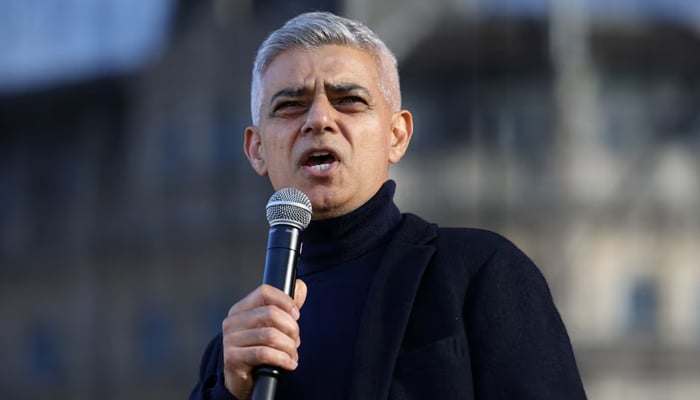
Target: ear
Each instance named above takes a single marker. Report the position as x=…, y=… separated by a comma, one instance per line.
x=401, y=133
x=253, y=148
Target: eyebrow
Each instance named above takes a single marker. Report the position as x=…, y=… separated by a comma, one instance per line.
x=337, y=88
x=288, y=92
x=340, y=88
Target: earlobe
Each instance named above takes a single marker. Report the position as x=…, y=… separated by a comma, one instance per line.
x=252, y=146
x=401, y=133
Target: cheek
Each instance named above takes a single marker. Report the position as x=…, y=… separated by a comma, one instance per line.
x=375, y=154
x=278, y=158
x=275, y=149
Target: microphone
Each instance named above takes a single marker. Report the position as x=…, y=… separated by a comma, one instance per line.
x=288, y=213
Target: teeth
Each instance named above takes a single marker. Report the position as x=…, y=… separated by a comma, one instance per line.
x=321, y=167
x=320, y=161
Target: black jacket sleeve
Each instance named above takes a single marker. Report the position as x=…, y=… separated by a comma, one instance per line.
x=519, y=346
x=211, y=380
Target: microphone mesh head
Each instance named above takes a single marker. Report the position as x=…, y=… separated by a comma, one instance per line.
x=289, y=206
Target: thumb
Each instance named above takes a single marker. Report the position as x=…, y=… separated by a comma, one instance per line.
x=299, y=293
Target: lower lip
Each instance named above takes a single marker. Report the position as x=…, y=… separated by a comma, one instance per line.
x=325, y=172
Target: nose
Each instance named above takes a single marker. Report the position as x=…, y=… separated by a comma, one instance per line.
x=320, y=117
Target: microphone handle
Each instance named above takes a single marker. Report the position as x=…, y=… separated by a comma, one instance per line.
x=282, y=257
x=281, y=261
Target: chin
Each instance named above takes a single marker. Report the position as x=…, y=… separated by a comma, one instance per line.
x=320, y=195
x=327, y=213
x=324, y=206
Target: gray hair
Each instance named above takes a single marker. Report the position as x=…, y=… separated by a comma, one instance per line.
x=315, y=29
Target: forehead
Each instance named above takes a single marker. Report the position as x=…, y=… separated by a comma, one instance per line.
x=299, y=67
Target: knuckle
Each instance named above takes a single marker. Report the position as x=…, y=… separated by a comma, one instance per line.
x=232, y=310
x=262, y=354
x=267, y=335
x=230, y=356
x=269, y=314
x=230, y=325
x=269, y=356
x=238, y=306
x=267, y=291
x=226, y=324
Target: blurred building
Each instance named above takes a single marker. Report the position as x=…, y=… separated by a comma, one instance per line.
x=130, y=220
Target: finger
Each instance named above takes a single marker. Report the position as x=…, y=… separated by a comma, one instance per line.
x=268, y=337
x=266, y=295
x=245, y=358
x=240, y=361
x=261, y=317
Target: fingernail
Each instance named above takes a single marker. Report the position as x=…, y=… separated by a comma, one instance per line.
x=295, y=313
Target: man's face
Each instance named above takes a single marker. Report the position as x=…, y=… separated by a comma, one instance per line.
x=326, y=128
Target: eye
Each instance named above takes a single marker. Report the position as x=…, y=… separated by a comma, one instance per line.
x=351, y=104
x=287, y=104
x=351, y=99
x=288, y=107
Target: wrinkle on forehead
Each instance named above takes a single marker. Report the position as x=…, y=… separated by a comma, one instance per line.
x=297, y=70
x=331, y=88
x=385, y=68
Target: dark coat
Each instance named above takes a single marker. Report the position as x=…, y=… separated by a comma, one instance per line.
x=452, y=313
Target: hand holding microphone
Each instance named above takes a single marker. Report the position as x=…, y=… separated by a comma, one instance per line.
x=260, y=334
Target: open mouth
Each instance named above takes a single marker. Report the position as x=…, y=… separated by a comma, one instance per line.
x=320, y=161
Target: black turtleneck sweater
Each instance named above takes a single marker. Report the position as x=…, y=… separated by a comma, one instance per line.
x=338, y=261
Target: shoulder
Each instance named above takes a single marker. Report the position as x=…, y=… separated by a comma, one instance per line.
x=474, y=242
x=472, y=247
x=464, y=255
x=454, y=237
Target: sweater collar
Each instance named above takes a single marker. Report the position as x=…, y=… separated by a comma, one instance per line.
x=339, y=239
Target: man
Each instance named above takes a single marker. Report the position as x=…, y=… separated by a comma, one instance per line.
x=397, y=308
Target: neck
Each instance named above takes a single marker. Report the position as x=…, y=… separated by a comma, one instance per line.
x=346, y=236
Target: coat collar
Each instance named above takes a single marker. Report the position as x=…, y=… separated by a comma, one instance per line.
x=388, y=307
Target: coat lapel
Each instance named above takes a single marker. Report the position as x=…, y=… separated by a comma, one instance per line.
x=388, y=307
